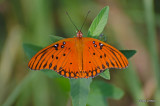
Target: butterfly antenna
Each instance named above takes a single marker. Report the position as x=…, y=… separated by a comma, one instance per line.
x=71, y=21
x=85, y=19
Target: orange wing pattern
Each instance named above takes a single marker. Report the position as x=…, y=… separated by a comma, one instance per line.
x=78, y=58
x=99, y=56
x=60, y=56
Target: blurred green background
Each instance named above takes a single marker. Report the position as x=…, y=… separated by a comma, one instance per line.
x=132, y=24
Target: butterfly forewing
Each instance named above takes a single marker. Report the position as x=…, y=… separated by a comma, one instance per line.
x=60, y=56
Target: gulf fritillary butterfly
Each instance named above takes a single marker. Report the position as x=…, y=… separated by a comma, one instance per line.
x=78, y=57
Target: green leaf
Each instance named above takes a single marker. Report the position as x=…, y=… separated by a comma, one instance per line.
x=128, y=53
x=99, y=22
x=101, y=90
x=30, y=51
x=79, y=91
x=105, y=74
x=51, y=74
x=63, y=83
x=55, y=38
x=96, y=100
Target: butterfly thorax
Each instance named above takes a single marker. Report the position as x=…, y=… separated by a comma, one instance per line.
x=79, y=34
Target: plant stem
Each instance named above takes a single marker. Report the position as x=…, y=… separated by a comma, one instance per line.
x=152, y=43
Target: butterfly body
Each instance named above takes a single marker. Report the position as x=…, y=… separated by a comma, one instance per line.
x=78, y=57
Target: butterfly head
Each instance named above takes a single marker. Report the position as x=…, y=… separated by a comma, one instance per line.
x=79, y=34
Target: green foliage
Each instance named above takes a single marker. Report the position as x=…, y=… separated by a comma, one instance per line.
x=55, y=38
x=99, y=23
x=31, y=50
x=152, y=42
x=128, y=53
x=100, y=91
x=41, y=22
x=80, y=88
x=105, y=74
x=18, y=89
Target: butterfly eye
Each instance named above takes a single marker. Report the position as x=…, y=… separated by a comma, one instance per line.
x=93, y=42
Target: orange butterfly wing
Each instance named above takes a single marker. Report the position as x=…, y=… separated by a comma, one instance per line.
x=78, y=58
x=60, y=56
x=98, y=56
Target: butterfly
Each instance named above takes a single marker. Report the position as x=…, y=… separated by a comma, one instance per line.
x=78, y=57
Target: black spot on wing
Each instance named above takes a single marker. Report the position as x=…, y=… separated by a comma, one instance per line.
x=103, y=66
x=107, y=63
x=100, y=56
x=50, y=65
x=56, y=46
x=45, y=65
x=112, y=64
x=64, y=42
x=55, y=67
x=60, y=68
x=101, y=45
